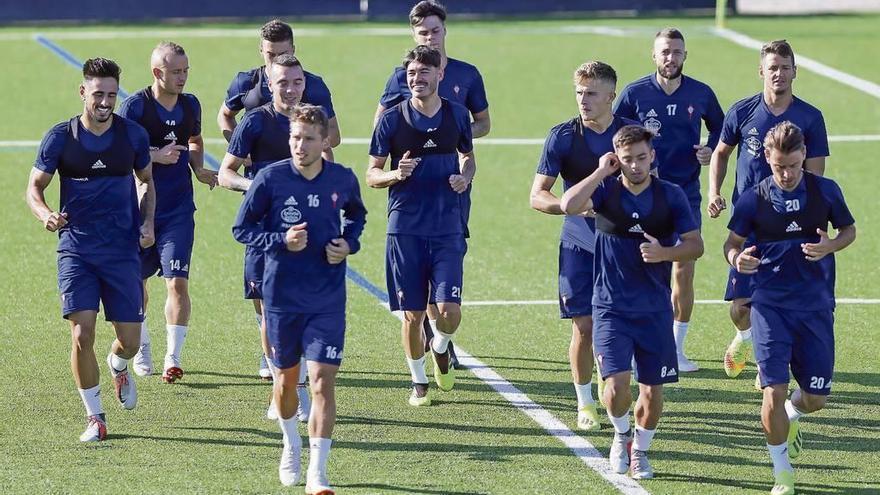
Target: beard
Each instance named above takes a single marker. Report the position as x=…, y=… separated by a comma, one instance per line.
x=671, y=74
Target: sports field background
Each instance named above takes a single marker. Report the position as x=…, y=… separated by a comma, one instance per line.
x=208, y=434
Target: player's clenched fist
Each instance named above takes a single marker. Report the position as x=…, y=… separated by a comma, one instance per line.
x=717, y=204
x=337, y=249
x=406, y=166
x=55, y=221
x=297, y=237
x=745, y=262
x=459, y=183
x=148, y=235
x=652, y=251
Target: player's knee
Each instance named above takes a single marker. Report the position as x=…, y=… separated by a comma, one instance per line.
x=323, y=384
x=287, y=378
x=178, y=287
x=583, y=327
x=449, y=317
x=812, y=402
x=83, y=336
x=740, y=311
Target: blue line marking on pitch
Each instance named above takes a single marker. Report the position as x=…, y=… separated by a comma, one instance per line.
x=77, y=64
x=366, y=285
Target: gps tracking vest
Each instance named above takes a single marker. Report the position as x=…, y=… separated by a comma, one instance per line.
x=158, y=129
x=273, y=142
x=254, y=97
x=801, y=224
x=115, y=161
x=580, y=161
x=440, y=141
x=613, y=220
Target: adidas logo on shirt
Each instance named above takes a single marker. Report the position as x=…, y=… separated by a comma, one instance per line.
x=793, y=227
x=291, y=201
x=98, y=164
x=171, y=136
x=651, y=113
x=430, y=144
x=753, y=132
x=636, y=229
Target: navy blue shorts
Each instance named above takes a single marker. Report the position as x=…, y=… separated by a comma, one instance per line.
x=575, y=281
x=619, y=336
x=803, y=340
x=112, y=280
x=416, y=264
x=171, y=255
x=739, y=286
x=254, y=262
x=318, y=337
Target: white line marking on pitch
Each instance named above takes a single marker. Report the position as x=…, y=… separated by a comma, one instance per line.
x=318, y=32
x=541, y=302
x=583, y=449
x=810, y=64
x=852, y=138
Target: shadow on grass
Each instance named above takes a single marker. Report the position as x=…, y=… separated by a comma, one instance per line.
x=764, y=486
x=252, y=378
x=446, y=427
x=405, y=489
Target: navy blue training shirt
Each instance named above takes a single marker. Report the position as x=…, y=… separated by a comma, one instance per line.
x=263, y=136
x=747, y=123
x=676, y=121
x=623, y=281
x=576, y=229
x=316, y=91
x=785, y=277
x=97, y=186
x=331, y=205
x=425, y=204
x=173, y=183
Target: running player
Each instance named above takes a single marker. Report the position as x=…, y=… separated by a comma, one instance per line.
x=432, y=166
x=249, y=90
x=461, y=83
x=791, y=260
x=642, y=225
x=572, y=149
x=105, y=214
x=292, y=213
x=173, y=120
x=262, y=136
x=744, y=125
x=673, y=107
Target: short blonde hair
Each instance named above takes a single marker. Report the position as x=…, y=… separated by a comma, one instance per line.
x=784, y=137
x=595, y=70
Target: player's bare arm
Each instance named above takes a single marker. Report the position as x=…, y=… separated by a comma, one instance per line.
x=742, y=260
x=379, y=178
x=481, y=124
x=717, y=172
x=228, y=176
x=226, y=121
x=197, y=162
x=468, y=168
x=36, y=200
x=815, y=165
x=146, y=192
x=578, y=199
x=541, y=197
